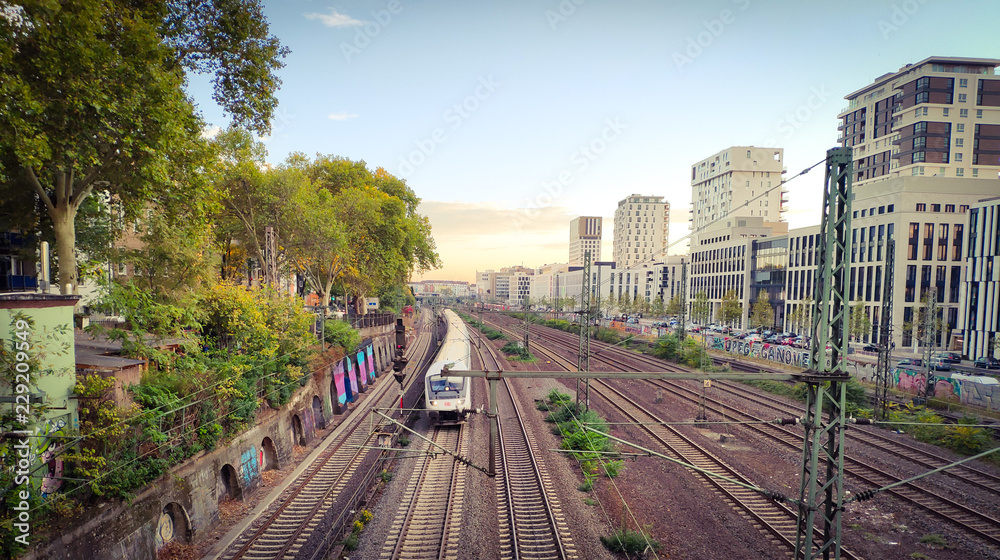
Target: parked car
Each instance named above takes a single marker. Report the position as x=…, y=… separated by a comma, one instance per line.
x=987, y=362
x=911, y=362
x=939, y=364
x=871, y=347
x=950, y=357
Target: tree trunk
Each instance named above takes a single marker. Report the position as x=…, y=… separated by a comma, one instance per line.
x=64, y=226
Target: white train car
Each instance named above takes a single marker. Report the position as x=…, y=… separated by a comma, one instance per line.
x=447, y=398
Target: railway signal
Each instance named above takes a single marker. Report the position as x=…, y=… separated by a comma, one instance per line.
x=399, y=362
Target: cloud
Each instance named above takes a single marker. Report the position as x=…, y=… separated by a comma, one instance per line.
x=341, y=116
x=210, y=132
x=334, y=19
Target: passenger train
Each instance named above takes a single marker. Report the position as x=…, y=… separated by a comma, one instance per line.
x=447, y=398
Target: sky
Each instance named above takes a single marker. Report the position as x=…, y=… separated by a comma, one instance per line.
x=509, y=119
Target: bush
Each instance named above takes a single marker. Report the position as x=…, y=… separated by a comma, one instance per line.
x=629, y=542
x=340, y=333
x=516, y=351
x=666, y=347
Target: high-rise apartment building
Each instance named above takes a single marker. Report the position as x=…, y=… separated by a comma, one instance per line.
x=939, y=117
x=741, y=181
x=981, y=290
x=642, y=227
x=926, y=142
x=585, y=235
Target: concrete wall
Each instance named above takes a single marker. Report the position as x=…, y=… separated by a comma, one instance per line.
x=185, y=502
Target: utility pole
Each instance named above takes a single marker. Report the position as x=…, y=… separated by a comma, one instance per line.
x=822, y=478
x=681, y=319
x=930, y=337
x=583, y=355
x=884, y=367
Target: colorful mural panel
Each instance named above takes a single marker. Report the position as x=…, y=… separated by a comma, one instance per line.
x=353, y=385
x=362, y=369
x=249, y=467
x=371, y=362
x=338, y=381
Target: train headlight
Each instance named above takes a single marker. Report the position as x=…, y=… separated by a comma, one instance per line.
x=434, y=403
x=460, y=402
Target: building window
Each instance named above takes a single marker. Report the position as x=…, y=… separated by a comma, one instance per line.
x=975, y=172
x=891, y=208
x=979, y=113
x=958, y=156
x=963, y=113
x=935, y=207
x=946, y=112
x=949, y=207
x=928, y=241
x=914, y=240
x=956, y=242
x=961, y=98
x=963, y=82
x=918, y=157
x=960, y=127
x=959, y=172
x=921, y=207
x=959, y=142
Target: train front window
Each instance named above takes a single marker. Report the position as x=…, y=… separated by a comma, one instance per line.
x=442, y=384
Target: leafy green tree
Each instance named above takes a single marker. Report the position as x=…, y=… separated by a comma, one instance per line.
x=860, y=324
x=701, y=308
x=608, y=305
x=658, y=307
x=674, y=306
x=624, y=303
x=731, y=309
x=801, y=317
x=174, y=260
x=762, y=314
x=94, y=100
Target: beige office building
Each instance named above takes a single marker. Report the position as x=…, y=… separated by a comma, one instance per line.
x=585, y=235
x=741, y=181
x=642, y=227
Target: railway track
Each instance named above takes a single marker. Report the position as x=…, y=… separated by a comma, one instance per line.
x=975, y=522
x=429, y=518
x=775, y=520
x=320, y=498
x=532, y=525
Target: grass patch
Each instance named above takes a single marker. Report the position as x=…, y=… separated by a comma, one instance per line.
x=516, y=352
x=934, y=539
x=403, y=441
x=590, y=501
x=629, y=542
x=385, y=476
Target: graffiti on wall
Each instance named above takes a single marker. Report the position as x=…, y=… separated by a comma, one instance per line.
x=48, y=448
x=362, y=369
x=338, y=381
x=755, y=349
x=249, y=467
x=371, y=362
x=353, y=379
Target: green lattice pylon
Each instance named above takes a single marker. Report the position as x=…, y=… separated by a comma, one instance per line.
x=821, y=490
